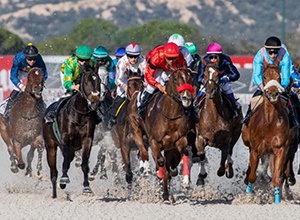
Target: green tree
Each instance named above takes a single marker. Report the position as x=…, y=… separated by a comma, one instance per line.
x=10, y=44
x=90, y=32
x=157, y=32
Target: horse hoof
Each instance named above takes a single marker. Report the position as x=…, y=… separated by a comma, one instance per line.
x=200, y=182
x=103, y=176
x=141, y=169
x=14, y=169
x=87, y=189
x=64, y=180
x=173, y=172
x=92, y=177
x=28, y=174
x=147, y=173
x=167, y=202
x=291, y=181
x=221, y=172
x=38, y=175
x=21, y=166
x=62, y=185
x=202, y=176
x=78, y=164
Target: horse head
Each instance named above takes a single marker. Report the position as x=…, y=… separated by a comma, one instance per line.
x=271, y=81
x=90, y=87
x=180, y=86
x=134, y=82
x=211, y=78
x=102, y=73
x=35, y=82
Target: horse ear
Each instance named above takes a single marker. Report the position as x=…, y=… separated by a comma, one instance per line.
x=204, y=63
x=265, y=64
x=297, y=65
x=277, y=62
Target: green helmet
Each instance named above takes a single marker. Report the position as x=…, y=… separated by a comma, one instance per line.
x=83, y=52
x=100, y=52
x=191, y=47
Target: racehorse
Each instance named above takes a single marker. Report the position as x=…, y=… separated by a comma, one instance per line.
x=122, y=132
x=24, y=126
x=217, y=127
x=167, y=122
x=74, y=129
x=268, y=131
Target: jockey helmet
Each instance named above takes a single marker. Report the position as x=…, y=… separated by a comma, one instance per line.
x=133, y=49
x=120, y=52
x=273, y=43
x=177, y=39
x=83, y=52
x=171, y=50
x=214, y=48
x=100, y=52
x=191, y=47
x=30, y=51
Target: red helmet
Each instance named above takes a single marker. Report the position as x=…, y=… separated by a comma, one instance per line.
x=171, y=50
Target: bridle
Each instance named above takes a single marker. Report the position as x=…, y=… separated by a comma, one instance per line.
x=212, y=80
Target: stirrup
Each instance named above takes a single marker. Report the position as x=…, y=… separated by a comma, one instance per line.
x=111, y=122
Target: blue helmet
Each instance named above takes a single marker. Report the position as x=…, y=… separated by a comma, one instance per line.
x=120, y=52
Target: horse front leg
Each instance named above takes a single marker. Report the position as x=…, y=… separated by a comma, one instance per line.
x=224, y=156
x=86, y=150
x=30, y=155
x=200, y=145
x=125, y=151
x=181, y=146
x=39, y=145
x=68, y=156
x=158, y=158
x=51, y=159
x=253, y=163
x=18, y=153
x=100, y=162
x=138, y=137
x=279, y=161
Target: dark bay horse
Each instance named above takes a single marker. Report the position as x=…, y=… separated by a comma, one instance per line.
x=268, y=131
x=168, y=120
x=24, y=126
x=74, y=129
x=217, y=127
x=122, y=132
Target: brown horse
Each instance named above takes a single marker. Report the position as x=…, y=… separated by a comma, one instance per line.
x=168, y=120
x=217, y=127
x=74, y=130
x=121, y=132
x=268, y=131
x=24, y=126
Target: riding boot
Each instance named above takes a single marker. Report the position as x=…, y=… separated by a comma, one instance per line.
x=245, y=120
x=142, y=107
x=234, y=106
x=10, y=102
x=292, y=117
x=98, y=118
x=54, y=108
x=50, y=116
x=113, y=112
x=195, y=110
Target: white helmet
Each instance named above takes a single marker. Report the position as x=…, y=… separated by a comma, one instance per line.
x=177, y=39
x=133, y=49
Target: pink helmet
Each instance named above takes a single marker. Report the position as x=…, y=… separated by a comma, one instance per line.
x=214, y=48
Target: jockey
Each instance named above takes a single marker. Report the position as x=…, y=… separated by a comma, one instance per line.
x=196, y=61
x=228, y=71
x=22, y=63
x=272, y=51
x=120, y=52
x=71, y=68
x=179, y=40
x=159, y=59
x=133, y=61
x=105, y=66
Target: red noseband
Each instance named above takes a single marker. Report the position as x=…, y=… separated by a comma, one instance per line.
x=185, y=87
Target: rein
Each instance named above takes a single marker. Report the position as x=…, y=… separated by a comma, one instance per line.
x=32, y=117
